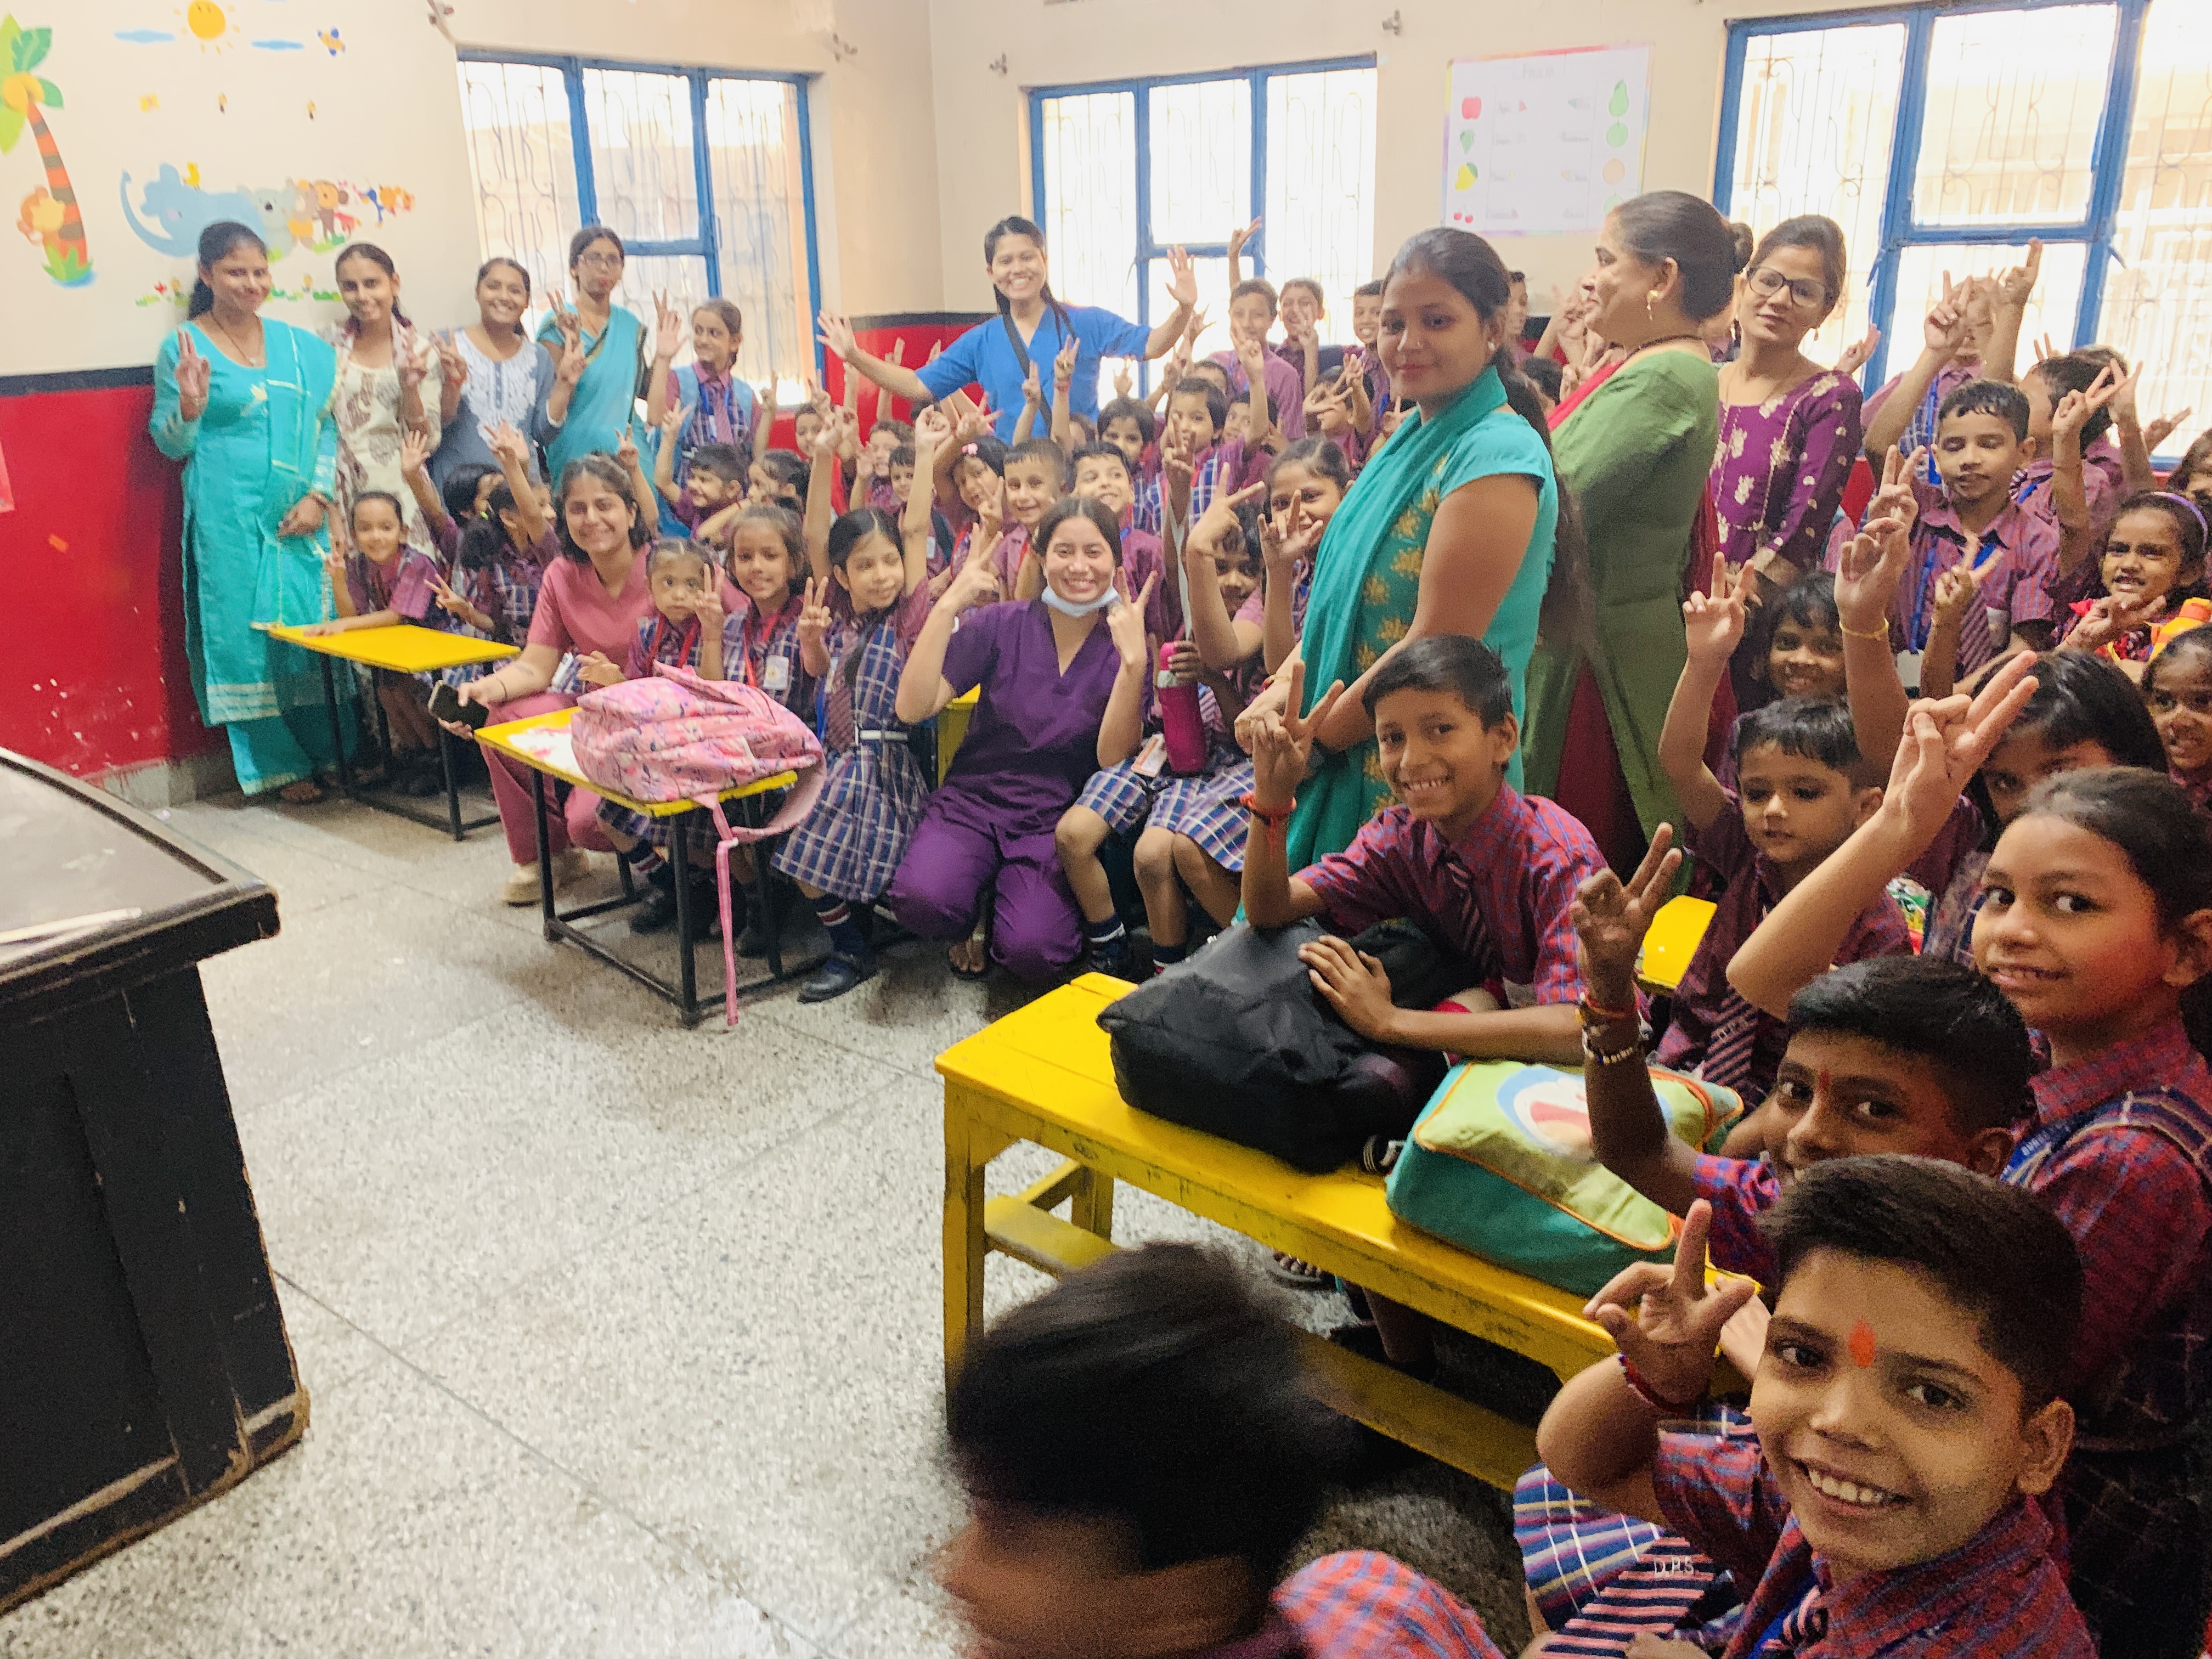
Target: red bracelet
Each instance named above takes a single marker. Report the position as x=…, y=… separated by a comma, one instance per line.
x=1650, y=1396
x=1275, y=819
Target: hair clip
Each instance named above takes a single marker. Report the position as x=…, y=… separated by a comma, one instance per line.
x=969, y=449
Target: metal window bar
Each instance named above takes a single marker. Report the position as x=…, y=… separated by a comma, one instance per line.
x=1050, y=175
x=736, y=218
x=2033, y=200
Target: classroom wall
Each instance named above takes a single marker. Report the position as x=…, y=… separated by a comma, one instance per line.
x=875, y=160
x=982, y=116
x=323, y=121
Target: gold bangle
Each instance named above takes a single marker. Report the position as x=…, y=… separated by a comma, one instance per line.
x=1863, y=632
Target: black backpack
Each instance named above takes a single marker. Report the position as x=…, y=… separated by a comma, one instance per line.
x=1236, y=1042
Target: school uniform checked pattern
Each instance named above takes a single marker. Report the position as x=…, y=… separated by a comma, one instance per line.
x=851, y=843
x=1510, y=885
x=1997, y=1596
x=1363, y=1605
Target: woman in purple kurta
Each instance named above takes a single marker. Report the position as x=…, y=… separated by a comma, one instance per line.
x=1048, y=668
x=1789, y=428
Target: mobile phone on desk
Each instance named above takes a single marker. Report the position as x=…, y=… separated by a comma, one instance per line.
x=445, y=704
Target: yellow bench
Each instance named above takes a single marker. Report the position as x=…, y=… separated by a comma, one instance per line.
x=1043, y=1074
x=952, y=726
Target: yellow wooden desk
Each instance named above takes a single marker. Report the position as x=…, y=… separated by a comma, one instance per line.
x=1043, y=1074
x=402, y=648
x=1672, y=939
x=538, y=744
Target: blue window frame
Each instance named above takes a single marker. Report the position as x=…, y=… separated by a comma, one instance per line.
x=707, y=174
x=1291, y=143
x=1946, y=135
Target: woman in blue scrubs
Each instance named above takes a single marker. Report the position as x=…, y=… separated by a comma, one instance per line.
x=1031, y=327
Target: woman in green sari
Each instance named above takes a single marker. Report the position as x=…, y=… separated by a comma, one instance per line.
x=598, y=348
x=1637, y=447
x=245, y=403
x=1450, y=528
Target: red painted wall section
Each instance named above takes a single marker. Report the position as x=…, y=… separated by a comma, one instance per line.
x=93, y=674
x=92, y=626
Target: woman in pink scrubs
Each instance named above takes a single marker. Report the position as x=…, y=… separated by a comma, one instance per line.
x=589, y=607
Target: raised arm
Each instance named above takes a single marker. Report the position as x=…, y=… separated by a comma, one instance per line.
x=1063, y=386
x=1714, y=628
x=930, y=435
x=1280, y=554
x=1182, y=288
x=1874, y=563
x=181, y=396
x=1121, y=728
x=1628, y=1129
x=453, y=377
x=1945, y=745
x=1601, y=1436
x=664, y=453
x=641, y=487
x=2010, y=292
x=1221, y=643
x=836, y=333
x=414, y=469
x=1943, y=333
x=821, y=509
x=1282, y=744
x=922, y=688
x=512, y=451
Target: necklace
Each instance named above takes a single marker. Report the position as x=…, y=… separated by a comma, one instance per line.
x=1664, y=339
x=245, y=357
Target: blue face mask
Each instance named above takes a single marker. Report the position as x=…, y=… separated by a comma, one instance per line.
x=1069, y=608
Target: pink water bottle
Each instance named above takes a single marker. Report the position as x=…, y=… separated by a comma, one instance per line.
x=1179, y=722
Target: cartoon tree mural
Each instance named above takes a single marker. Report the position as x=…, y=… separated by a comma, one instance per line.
x=51, y=216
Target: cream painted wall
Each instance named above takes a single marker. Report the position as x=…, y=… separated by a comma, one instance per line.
x=875, y=162
x=262, y=106
x=252, y=111
x=982, y=117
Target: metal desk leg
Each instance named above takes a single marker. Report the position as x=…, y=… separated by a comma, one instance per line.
x=452, y=790
x=687, y=967
x=538, y=786
x=337, y=731
x=771, y=925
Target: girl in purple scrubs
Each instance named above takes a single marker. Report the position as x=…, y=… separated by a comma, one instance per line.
x=1063, y=682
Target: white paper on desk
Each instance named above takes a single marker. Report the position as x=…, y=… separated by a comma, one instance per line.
x=551, y=744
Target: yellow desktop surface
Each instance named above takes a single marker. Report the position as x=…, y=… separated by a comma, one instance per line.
x=555, y=759
x=404, y=648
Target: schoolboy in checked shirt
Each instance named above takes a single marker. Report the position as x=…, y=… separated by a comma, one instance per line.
x=1484, y=871
x=1907, y=1412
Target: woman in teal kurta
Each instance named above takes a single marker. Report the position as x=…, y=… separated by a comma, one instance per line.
x=245, y=403
x=1449, y=529
x=1637, y=452
x=602, y=339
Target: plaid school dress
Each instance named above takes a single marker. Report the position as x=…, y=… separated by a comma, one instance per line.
x=851, y=843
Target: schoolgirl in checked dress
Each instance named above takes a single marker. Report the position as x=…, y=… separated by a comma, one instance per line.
x=848, y=850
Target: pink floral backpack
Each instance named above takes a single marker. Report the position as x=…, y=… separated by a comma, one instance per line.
x=679, y=737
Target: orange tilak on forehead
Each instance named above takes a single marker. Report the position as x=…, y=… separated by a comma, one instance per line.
x=1862, y=1344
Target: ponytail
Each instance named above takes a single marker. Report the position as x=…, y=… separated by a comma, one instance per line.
x=216, y=243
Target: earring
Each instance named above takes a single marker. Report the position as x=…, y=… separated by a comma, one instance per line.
x=1649, y=300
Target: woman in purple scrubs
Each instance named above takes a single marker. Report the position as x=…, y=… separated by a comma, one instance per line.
x=1064, y=683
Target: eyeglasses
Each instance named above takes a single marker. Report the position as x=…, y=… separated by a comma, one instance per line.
x=1767, y=283
x=603, y=261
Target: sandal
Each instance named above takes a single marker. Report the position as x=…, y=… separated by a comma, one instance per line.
x=981, y=970
x=1298, y=1275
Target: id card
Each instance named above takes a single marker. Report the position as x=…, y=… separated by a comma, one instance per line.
x=776, y=676
x=1152, y=758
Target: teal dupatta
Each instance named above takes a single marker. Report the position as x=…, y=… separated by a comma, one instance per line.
x=1332, y=803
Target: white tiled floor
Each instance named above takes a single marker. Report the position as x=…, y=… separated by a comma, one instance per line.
x=621, y=1339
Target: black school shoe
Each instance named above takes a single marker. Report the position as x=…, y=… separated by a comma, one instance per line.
x=658, y=910
x=836, y=976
